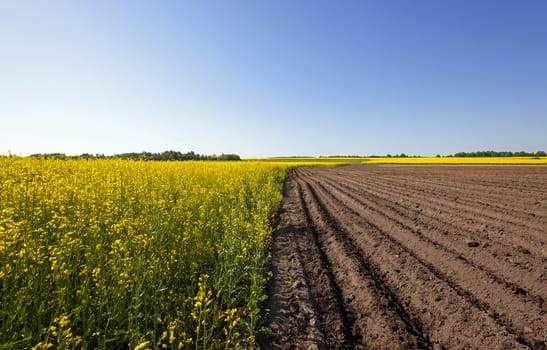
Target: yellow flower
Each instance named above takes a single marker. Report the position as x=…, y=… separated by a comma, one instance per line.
x=64, y=321
x=142, y=346
x=127, y=224
x=171, y=336
x=42, y=346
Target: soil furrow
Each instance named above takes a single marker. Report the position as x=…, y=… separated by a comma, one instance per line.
x=502, y=249
x=530, y=181
x=386, y=319
x=531, y=214
x=482, y=198
x=497, y=198
x=336, y=322
x=524, y=236
x=502, y=321
x=454, y=203
x=465, y=275
x=370, y=263
x=449, y=238
x=294, y=313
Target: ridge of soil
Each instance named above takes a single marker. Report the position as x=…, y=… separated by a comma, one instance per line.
x=410, y=257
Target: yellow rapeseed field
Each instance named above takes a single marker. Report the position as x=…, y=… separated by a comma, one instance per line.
x=133, y=254
x=459, y=160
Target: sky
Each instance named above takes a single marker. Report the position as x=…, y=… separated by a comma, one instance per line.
x=273, y=77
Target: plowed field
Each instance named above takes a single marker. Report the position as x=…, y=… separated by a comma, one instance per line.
x=399, y=257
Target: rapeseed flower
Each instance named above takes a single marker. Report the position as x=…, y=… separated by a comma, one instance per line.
x=139, y=254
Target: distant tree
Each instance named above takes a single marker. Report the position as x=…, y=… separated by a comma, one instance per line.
x=86, y=156
x=229, y=157
x=142, y=156
x=497, y=154
x=49, y=155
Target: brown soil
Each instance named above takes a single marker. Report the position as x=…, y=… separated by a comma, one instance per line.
x=402, y=257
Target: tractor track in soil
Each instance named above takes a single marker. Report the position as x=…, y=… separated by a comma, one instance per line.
x=403, y=257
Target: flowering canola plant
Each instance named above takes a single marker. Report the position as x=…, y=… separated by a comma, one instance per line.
x=133, y=254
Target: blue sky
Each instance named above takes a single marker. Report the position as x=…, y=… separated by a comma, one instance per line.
x=273, y=78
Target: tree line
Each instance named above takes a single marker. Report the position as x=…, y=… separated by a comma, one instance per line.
x=459, y=154
x=499, y=154
x=161, y=156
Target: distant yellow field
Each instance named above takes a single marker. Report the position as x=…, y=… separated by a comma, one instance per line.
x=458, y=160
x=309, y=161
x=336, y=161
